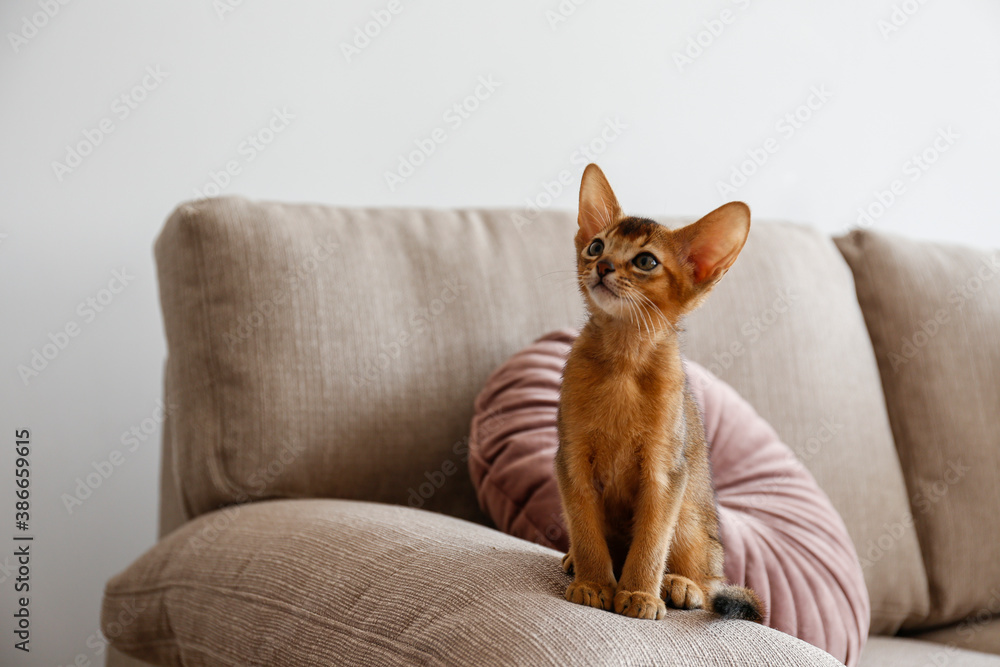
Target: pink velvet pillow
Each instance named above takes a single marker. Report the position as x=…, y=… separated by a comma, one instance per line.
x=782, y=536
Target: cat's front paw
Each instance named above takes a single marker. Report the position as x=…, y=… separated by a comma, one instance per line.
x=637, y=604
x=591, y=594
x=682, y=593
x=567, y=564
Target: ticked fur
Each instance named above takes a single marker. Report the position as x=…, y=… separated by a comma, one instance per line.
x=632, y=463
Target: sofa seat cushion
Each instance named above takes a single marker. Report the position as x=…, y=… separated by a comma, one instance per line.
x=933, y=311
x=978, y=632
x=783, y=538
x=312, y=582
x=900, y=652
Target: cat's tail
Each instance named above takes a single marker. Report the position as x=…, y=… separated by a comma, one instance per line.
x=737, y=602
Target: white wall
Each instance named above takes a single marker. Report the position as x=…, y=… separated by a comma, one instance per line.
x=685, y=129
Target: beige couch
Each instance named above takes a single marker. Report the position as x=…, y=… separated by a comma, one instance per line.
x=326, y=360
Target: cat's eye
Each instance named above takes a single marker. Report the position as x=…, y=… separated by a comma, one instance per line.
x=645, y=261
x=595, y=248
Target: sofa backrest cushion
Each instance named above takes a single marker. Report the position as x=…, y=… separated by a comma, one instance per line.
x=933, y=311
x=316, y=351
x=324, y=352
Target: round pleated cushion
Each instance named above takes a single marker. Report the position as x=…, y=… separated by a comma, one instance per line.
x=782, y=536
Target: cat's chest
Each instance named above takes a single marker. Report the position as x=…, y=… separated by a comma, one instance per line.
x=616, y=467
x=631, y=429
x=623, y=422
x=625, y=407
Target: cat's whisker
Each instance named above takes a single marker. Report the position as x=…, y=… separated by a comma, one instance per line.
x=658, y=312
x=654, y=307
x=650, y=330
x=642, y=316
x=631, y=299
x=635, y=307
x=563, y=281
x=646, y=301
x=632, y=312
x=543, y=275
x=652, y=322
x=559, y=278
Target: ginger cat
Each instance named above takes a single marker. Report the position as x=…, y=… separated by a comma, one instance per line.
x=632, y=464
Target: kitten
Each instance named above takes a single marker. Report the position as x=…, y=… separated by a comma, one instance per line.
x=632, y=464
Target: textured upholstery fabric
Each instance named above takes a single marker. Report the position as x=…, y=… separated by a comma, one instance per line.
x=782, y=536
x=324, y=352
x=898, y=652
x=933, y=311
x=326, y=582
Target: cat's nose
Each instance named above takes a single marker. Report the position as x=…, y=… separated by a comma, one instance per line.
x=604, y=267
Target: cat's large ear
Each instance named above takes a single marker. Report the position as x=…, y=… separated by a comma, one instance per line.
x=598, y=205
x=711, y=245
